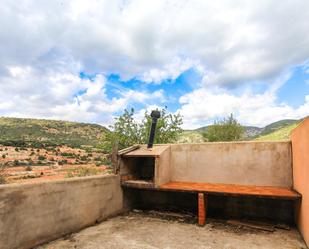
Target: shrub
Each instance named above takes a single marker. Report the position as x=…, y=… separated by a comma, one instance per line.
x=227, y=129
x=41, y=158
x=82, y=171
x=83, y=158
x=3, y=156
x=106, y=161
x=28, y=168
x=66, y=154
x=16, y=149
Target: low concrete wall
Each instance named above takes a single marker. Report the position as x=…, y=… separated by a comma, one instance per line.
x=248, y=163
x=31, y=214
x=300, y=148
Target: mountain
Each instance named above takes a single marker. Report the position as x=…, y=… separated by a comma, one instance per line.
x=278, y=125
x=19, y=131
x=283, y=132
x=275, y=131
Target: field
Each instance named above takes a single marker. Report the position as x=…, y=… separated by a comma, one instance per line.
x=24, y=164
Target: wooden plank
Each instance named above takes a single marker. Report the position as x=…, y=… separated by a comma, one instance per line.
x=252, y=224
x=142, y=184
x=232, y=189
x=201, y=209
x=129, y=149
x=143, y=151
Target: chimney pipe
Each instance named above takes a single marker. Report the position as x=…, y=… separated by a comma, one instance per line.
x=155, y=115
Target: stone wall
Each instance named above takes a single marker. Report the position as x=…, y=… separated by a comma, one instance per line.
x=31, y=214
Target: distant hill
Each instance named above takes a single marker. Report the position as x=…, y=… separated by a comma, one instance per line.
x=279, y=134
x=53, y=132
x=250, y=131
x=278, y=125
x=275, y=131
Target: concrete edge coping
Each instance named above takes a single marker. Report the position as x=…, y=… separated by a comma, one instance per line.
x=236, y=142
x=73, y=179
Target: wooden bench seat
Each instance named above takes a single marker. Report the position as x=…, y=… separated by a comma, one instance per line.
x=233, y=189
x=228, y=189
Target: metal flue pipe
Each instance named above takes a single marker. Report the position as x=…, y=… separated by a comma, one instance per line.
x=155, y=115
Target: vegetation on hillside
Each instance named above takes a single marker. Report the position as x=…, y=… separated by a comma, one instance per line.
x=276, y=126
x=128, y=131
x=38, y=132
x=275, y=131
x=227, y=129
x=280, y=134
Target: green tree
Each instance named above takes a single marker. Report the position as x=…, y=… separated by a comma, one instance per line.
x=227, y=129
x=127, y=131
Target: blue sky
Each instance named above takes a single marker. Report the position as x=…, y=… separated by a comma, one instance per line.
x=88, y=61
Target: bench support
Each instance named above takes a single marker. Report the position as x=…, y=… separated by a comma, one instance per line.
x=202, y=208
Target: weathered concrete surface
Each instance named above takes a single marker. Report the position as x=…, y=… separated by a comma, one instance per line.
x=31, y=214
x=247, y=163
x=139, y=231
x=300, y=147
x=163, y=167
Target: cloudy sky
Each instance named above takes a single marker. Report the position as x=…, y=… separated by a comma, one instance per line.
x=89, y=60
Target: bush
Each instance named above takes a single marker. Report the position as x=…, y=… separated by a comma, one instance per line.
x=227, y=129
x=41, y=158
x=66, y=154
x=84, y=158
x=16, y=149
x=82, y=171
x=28, y=168
x=3, y=156
x=106, y=161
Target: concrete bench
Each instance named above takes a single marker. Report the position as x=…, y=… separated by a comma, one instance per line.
x=203, y=189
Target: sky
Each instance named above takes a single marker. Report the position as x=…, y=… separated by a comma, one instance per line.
x=87, y=61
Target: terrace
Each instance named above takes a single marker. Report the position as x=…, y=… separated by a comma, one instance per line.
x=211, y=195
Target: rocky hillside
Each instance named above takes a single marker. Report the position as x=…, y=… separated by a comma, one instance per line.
x=20, y=131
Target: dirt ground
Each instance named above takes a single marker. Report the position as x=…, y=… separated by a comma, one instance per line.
x=143, y=231
x=51, y=163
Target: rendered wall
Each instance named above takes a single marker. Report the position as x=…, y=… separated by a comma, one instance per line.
x=300, y=148
x=31, y=214
x=163, y=169
x=248, y=163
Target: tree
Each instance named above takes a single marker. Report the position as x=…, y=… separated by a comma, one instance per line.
x=127, y=131
x=227, y=129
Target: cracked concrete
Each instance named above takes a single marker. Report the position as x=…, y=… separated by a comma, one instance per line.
x=143, y=231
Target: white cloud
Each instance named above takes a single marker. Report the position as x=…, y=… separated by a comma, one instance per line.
x=203, y=105
x=44, y=46
x=27, y=93
x=236, y=41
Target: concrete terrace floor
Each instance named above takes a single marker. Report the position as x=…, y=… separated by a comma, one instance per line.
x=147, y=232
